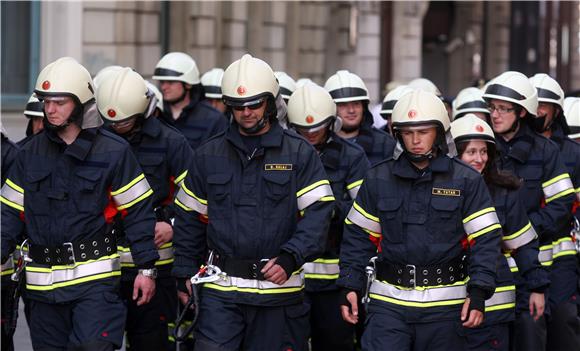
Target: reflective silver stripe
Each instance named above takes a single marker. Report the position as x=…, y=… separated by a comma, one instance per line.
x=311, y=196
x=321, y=268
x=8, y=266
x=528, y=233
x=545, y=255
x=480, y=222
x=294, y=284
x=49, y=278
x=353, y=192
x=419, y=297
x=126, y=197
x=560, y=184
x=14, y=197
x=363, y=220
x=511, y=263
x=192, y=203
x=501, y=297
x=165, y=253
x=563, y=247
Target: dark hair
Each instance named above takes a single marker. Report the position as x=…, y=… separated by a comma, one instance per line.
x=491, y=174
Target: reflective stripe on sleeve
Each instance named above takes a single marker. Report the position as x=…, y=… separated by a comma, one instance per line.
x=137, y=190
x=319, y=191
x=322, y=269
x=294, y=284
x=520, y=238
x=187, y=200
x=481, y=222
x=12, y=195
x=503, y=298
x=545, y=255
x=557, y=187
x=8, y=266
x=366, y=221
x=41, y=278
x=180, y=177
x=353, y=188
x=511, y=263
x=443, y=295
x=165, y=255
x=563, y=247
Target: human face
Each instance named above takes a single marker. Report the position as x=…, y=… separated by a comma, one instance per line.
x=314, y=138
x=172, y=90
x=351, y=113
x=502, y=122
x=58, y=109
x=546, y=109
x=37, y=125
x=419, y=140
x=124, y=126
x=248, y=116
x=475, y=154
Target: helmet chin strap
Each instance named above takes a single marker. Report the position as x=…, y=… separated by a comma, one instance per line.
x=73, y=118
x=419, y=157
x=513, y=128
x=261, y=124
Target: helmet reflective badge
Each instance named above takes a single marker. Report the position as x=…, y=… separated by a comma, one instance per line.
x=65, y=77
x=177, y=66
x=311, y=107
x=470, y=127
x=420, y=108
x=247, y=80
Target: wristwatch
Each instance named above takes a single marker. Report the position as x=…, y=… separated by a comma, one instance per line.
x=149, y=273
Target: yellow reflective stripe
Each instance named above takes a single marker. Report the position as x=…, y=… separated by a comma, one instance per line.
x=321, y=276
x=417, y=304
x=7, y=272
x=315, y=192
x=312, y=186
x=354, y=184
x=14, y=186
x=483, y=231
x=190, y=193
x=144, y=196
x=73, y=282
x=128, y=186
x=327, y=198
x=361, y=219
x=564, y=193
x=253, y=290
x=478, y=213
x=557, y=187
x=11, y=204
x=500, y=307
x=364, y=213
x=185, y=208
x=555, y=179
x=518, y=233
x=327, y=260
x=180, y=177
x=563, y=247
x=63, y=267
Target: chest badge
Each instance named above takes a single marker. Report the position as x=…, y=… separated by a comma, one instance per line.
x=446, y=192
x=278, y=167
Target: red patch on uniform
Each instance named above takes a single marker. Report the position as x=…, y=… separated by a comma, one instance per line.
x=479, y=128
x=412, y=114
x=241, y=90
x=161, y=317
x=111, y=113
x=309, y=119
x=46, y=85
x=104, y=334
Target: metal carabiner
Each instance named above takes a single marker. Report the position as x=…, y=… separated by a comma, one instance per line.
x=370, y=271
x=575, y=233
x=22, y=261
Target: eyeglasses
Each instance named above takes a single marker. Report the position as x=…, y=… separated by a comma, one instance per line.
x=500, y=109
x=254, y=106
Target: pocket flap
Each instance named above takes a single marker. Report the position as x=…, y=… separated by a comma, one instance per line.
x=89, y=174
x=445, y=203
x=278, y=177
x=389, y=204
x=34, y=176
x=150, y=160
x=220, y=178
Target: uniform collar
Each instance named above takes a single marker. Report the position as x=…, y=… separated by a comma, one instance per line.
x=81, y=147
x=330, y=153
x=405, y=169
x=272, y=138
x=151, y=127
x=520, y=146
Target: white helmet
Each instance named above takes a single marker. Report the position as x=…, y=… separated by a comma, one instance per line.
x=122, y=95
x=104, y=73
x=177, y=66
x=247, y=80
x=393, y=96
x=425, y=85
x=157, y=93
x=470, y=127
x=287, y=84
x=303, y=81
x=212, y=83
x=420, y=108
x=312, y=107
x=345, y=86
x=65, y=76
x=34, y=107
x=548, y=89
x=514, y=87
x=572, y=114
x=469, y=100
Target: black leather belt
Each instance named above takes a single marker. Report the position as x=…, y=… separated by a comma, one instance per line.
x=241, y=268
x=71, y=252
x=410, y=275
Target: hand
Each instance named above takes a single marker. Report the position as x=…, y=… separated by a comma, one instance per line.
x=163, y=233
x=475, y=316
x=145, y=287
x=350, y=313
x=274, y=272
x=536, y=305
x=182, y=295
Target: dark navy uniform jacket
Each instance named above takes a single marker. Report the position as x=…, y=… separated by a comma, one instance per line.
x=9, y=151
x=377, y=144
x=66, y=193
x=424, y=218
x=197, y=122
x=272, y=201
x=345, y=164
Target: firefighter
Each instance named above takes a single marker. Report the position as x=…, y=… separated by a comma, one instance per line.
x=572, y=114
x=352, y=103
x=547, y=191
x=287, y=85
x=427, y=85
x=312, y=113
x=563, y=325
x=65, y=185
x=104, y=73
x=267, y=203
x=389, y=103
x=127, y=104
x=475, y=143
x=33, y=112
x=420, y=212
x=184, y=108
x=158, y=96
x=469, y=100
x=212, y=88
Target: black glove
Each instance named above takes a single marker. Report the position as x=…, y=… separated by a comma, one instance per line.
x=287, y=262
x=477, y=299
x=182, y=285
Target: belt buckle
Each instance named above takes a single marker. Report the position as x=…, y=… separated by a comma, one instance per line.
x=412, y=269
x=71, y=251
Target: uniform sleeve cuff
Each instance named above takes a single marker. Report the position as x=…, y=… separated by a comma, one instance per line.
x=287, y=262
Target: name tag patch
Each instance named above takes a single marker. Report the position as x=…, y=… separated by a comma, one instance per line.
x=278, y=167
x=446, y=192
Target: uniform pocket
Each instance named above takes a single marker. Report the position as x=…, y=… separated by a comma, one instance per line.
x=219, y=195
x=390, y=215
x=36, y=194
x=151, y=165
x=277, y=190
x=87, y=185
x=445, y=218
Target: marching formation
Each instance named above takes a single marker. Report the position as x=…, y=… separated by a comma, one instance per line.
x=243, y=210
